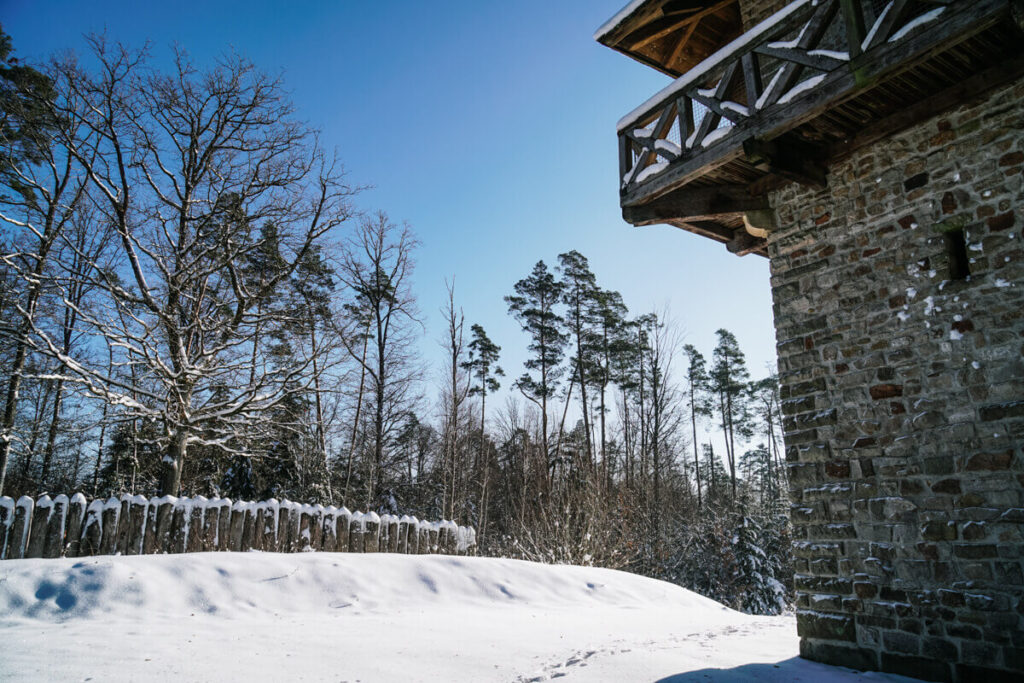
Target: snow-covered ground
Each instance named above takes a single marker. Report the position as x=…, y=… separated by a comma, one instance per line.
x=354, y=617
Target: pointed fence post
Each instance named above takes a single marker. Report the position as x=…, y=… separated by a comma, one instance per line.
x=223, y=540
x=6, y=521
x=56, y=526
x=355, y=533
x=108, y=538
x=40, y=521
x=371, y=532
x=166, y=517
x=259, y=524
x=149, y=544
x=393, y=534
x=194, y=527
x=271, y=526
x=304, y=536
x=123, y=525
x=136, y=525
x=76, y=517
x=423, y=537
x=342, y=526
x=211, y=524
x=329, y=542
x=236, y=527
x=92, y=529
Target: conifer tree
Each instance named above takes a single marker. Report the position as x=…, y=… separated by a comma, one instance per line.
x=579, y=294
x=611, y=341
x=729, y=377
x=533, y=305
x=700, y=406
x=484, y=369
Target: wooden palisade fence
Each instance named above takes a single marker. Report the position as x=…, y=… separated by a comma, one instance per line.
x=133, y=525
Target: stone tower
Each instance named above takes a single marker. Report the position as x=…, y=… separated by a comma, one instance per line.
x=873, y=151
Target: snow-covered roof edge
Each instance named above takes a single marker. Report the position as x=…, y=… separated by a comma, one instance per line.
x=608, y=26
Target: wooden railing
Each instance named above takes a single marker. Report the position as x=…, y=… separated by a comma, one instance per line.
x=782, y=73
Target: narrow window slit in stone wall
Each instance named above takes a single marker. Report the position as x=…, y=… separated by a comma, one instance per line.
x=956, y=249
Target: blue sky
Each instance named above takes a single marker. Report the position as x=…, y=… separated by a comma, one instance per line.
x=489, y=127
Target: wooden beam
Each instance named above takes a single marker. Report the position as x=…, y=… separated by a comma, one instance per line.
x=695, y=203
x=802, y=57
x=897, y=9
x=683, y=40
x=809, y=37
x=646, y=35
x=752, y=79
x=709, y=229
x=853, y=15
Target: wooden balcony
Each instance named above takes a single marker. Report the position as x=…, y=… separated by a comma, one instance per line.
x=802, y=89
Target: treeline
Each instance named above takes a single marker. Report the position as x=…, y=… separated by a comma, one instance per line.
x=190, y=304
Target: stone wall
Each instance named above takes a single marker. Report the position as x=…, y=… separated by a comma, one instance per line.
x=903, y=395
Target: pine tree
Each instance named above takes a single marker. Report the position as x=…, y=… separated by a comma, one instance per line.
x=483, y=367
x=611, y=343
x=579, y=295
x=700, y=406
x=533, y=305
x=728, y=382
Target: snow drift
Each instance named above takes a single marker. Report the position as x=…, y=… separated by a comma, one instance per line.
x=320, y=616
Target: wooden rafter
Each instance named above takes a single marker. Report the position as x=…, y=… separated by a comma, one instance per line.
x=683, y=40
x=672, y=19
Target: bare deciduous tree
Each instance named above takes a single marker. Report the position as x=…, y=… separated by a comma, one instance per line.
x=377, y=268
x=197, y=173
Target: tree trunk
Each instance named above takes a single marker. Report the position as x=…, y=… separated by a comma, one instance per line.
x=170, y=476
x=696, y=459
x=359, y=407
